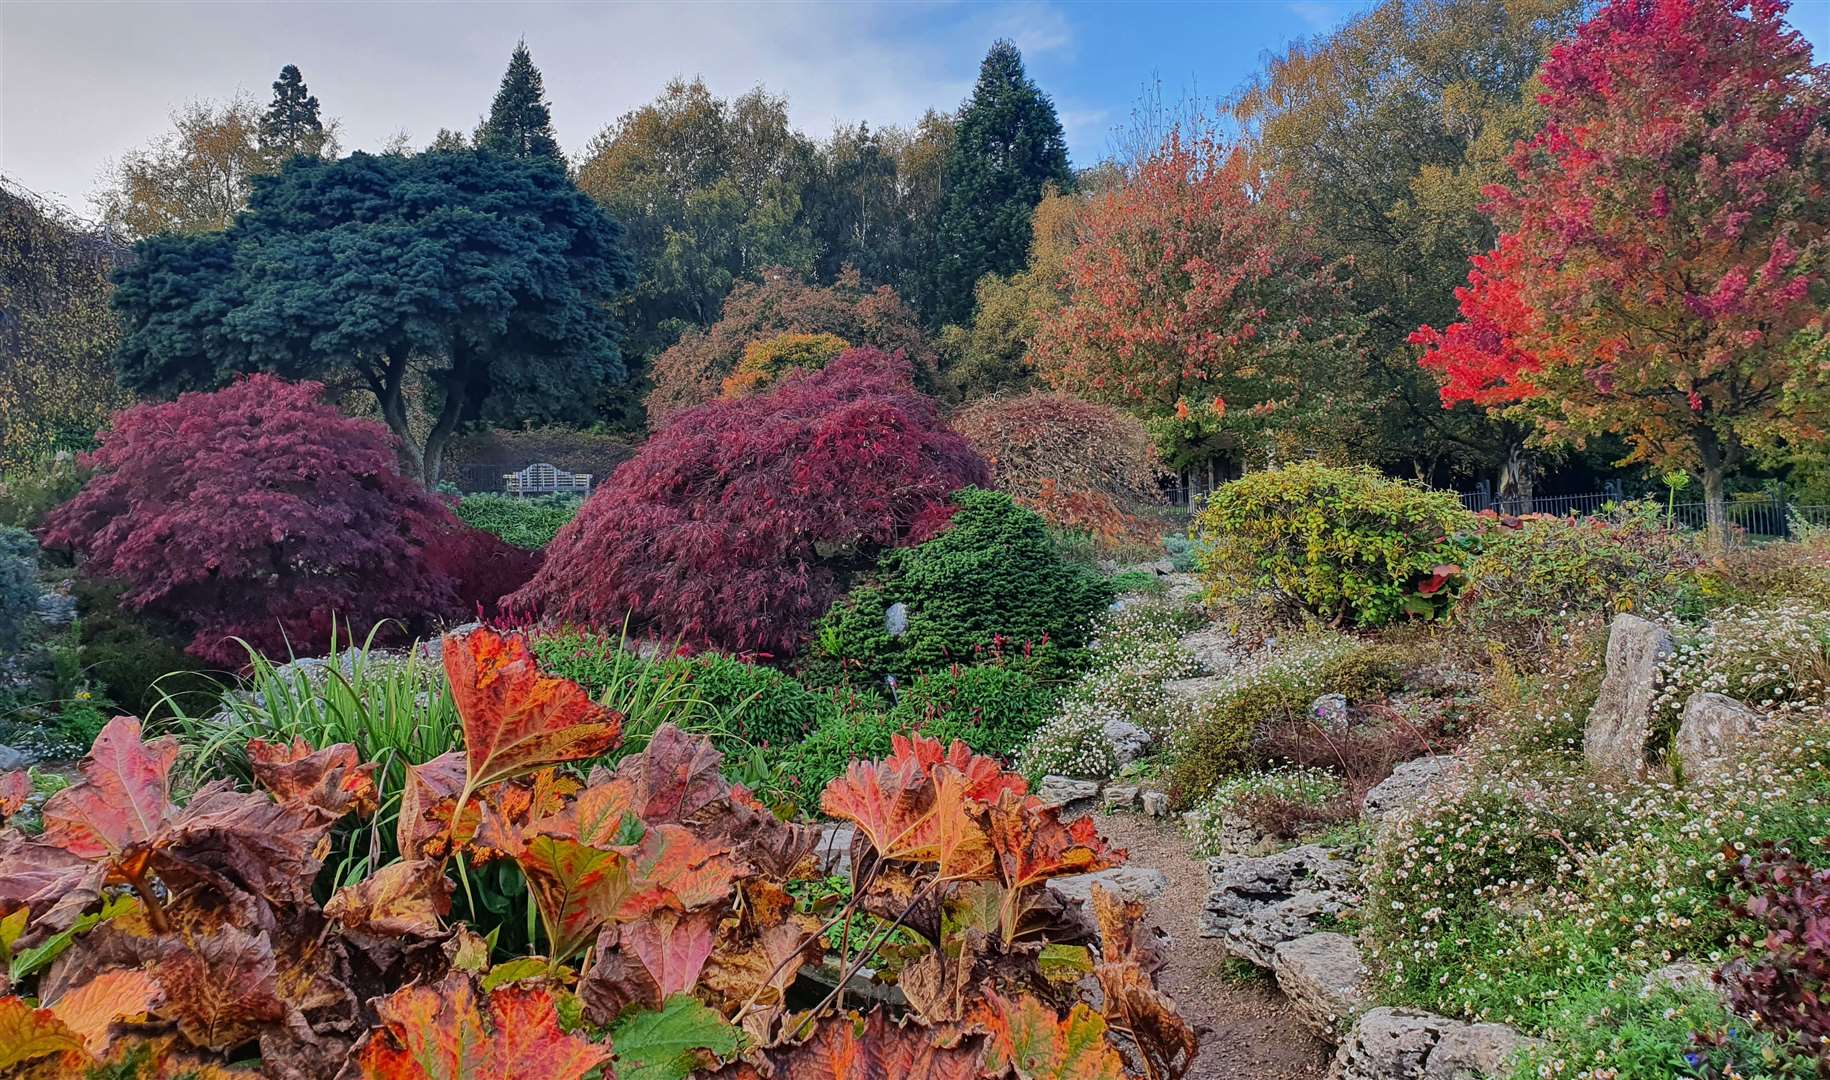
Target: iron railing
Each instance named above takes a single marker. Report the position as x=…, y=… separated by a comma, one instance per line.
x=1762, y=515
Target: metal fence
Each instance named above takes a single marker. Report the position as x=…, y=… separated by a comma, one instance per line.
x=1760, y=515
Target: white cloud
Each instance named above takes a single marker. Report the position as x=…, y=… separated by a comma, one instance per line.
x=81, y=83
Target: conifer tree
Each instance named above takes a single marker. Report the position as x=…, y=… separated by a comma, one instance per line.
x=520, y=122
x=291, y=124
x=1008, y=147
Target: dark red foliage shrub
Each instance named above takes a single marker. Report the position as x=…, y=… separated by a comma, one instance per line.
x=483, y=567
x=1786, y=985
x=259, y=512
x=738, y=525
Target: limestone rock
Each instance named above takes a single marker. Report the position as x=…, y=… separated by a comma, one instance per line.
x=1124, y=882
x=832, y=853
x=1712, y=732
x=1062, y=790
x=1258, y=903
x=1121, y=797
x=1400, y=791
x=11, y=759
x=1156, y=803
x=1323, y=976
x=1475, y=1052
x=1388, y=1044
x=1404, y=1044
x=1198, y=689
x=1682, y=975
x=896, y=619
x=1214, y=647
x=1128, y=741
x=1621, y=721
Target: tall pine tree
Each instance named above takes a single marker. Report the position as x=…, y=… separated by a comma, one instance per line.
x=291, y=124
x=520, y=123
x=1008, y=146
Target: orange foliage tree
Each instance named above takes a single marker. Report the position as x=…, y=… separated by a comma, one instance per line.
x=1197, y=303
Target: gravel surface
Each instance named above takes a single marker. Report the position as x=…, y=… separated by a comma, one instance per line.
x=1249, y=1031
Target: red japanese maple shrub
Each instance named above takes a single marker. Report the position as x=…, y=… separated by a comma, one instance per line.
x=738, y=525
x=483, y=567
x=257, y=512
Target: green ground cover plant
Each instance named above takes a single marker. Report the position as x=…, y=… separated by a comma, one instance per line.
x=524, y=522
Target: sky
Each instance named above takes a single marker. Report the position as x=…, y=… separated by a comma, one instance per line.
x=83, y=82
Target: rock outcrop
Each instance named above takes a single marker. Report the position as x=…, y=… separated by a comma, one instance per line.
x=1403, y=789
x=1324, y=978
x=1404, y=1044
x=1257, y=904
x=1620, y=723
x=1714, y=729
x=1123, y=882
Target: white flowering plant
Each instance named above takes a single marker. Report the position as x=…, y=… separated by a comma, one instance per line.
x=1773, y=657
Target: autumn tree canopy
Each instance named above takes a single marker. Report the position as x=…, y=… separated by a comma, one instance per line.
x=1663, y=246
x=1197, y=303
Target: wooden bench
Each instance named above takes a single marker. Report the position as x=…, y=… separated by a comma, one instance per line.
x=543, y=479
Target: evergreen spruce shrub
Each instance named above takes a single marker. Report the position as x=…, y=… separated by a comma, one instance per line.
x=853, y=725
x=992, y=584
x=1346, y=544
x=18, y=585
x=993, y=708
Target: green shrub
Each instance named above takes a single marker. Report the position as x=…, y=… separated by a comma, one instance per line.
x=852, y=726
x=1367, y=672
x=994, y=708
x=525, y=523
x=1138, y=581
x=1342, y=543
x=1549, y=570
x=1626, y=1035
x=992, y=583
x=1308, y=787
x=1216, y=736
x=30, y=492
x=766, y=707
x=18, y=585
x=1184, y=553
x=137, y=663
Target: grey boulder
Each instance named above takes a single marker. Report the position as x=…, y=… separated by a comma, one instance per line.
x=1257, y=904
x=1123, y=882
x=1714, y=729
x=1620, y=723
x=1403, y=789
x=1404, y=1044
x=1062, y=790
x=1324, y=978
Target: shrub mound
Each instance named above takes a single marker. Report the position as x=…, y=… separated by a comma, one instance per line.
x=258, y=511
x=1082, y=466
x=18, y=585
x=692, y=371
x=525, y=523
x=738, y=524
x=992, y=583
x=1346, y=544
x=993, y=708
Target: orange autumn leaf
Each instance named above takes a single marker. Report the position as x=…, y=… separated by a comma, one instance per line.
x=92, y=1008
x=672, y=947
x=334, y=779
x=986, y=778
x=15, y=789
x=124, y=800
x=951, y=837
x=1027, y=1038
x=839, y=1050
x=888, y=800
x=407, y=898
x=577, y=888
x=672, y=867
x=438, y=1033
x=516, y=719
x=1033, y=844
x=426, y=799
x=29, y=1035
x=221, y=989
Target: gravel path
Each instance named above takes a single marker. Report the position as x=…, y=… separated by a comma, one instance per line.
x=1250, y=1032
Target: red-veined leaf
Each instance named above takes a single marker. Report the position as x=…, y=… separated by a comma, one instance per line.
x=838, y=1050
x=437, y=1033
x=576, y=886
x=220, y=989
x=334, y=779
x=674, y=777
x=1033, y=844
x=672, y=947
x=1027, y=1037
x=405, y=898
x=123, y=800
x=986, y=779
x=516, y=719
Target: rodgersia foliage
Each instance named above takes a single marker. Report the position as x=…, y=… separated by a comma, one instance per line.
x=259, y=512
x=738, y=524
x=151, y=935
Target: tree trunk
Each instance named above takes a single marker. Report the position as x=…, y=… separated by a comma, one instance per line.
x=387, y=388
x=1715, y=502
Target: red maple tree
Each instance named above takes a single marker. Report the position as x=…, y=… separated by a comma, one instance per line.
x=736, y=526
x=1664, y=242
x=260, y=512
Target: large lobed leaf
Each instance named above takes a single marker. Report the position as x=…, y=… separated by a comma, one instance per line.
x=516, y=719
x=438, y=1033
